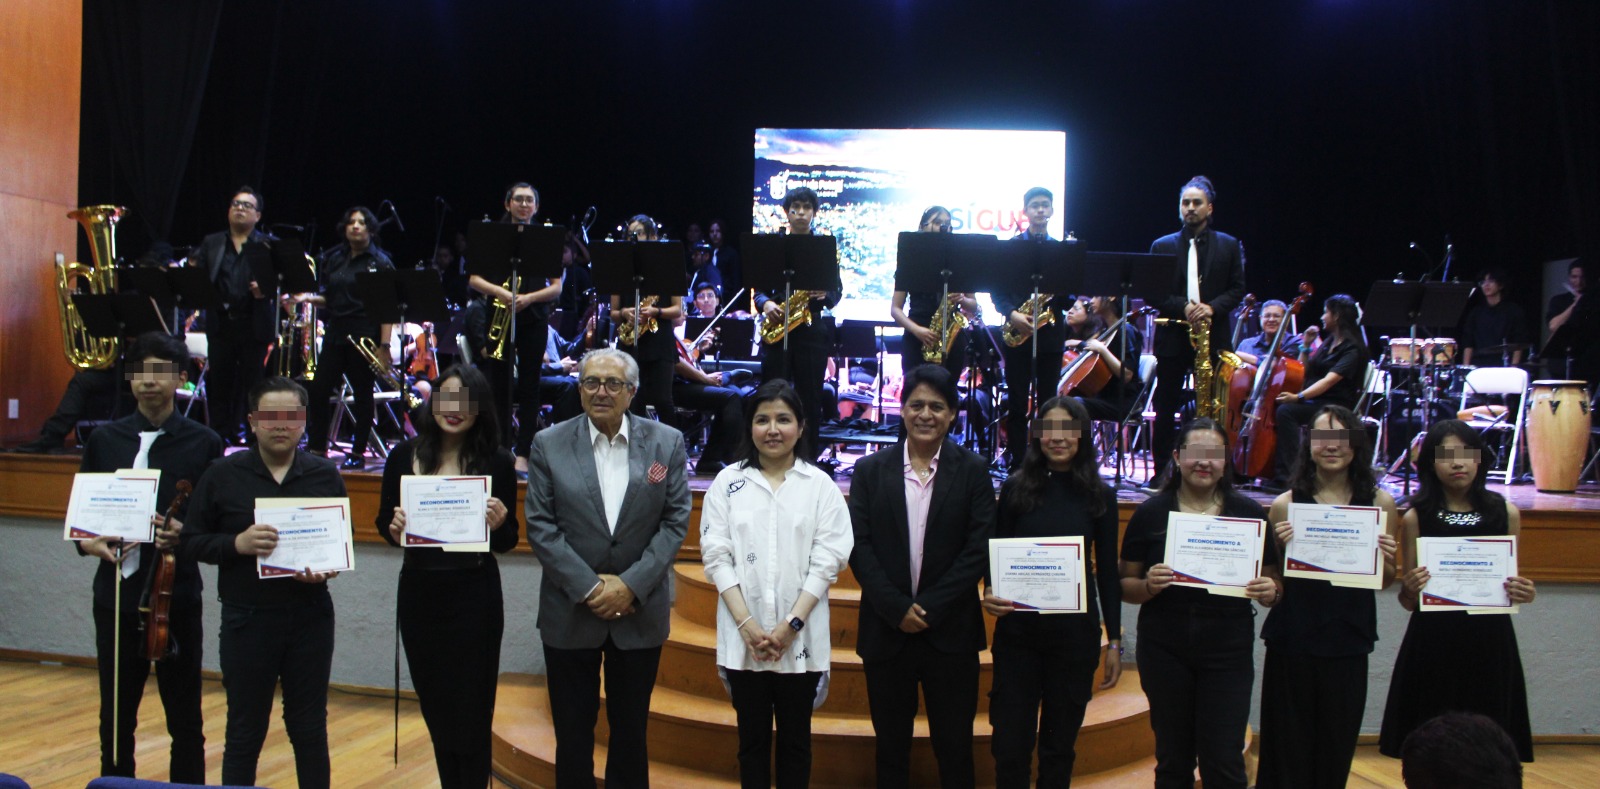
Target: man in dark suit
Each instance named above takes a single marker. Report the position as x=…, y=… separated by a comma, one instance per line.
x=607, y=508
x=1210, y=290
x=238, y=334
x=922, y=511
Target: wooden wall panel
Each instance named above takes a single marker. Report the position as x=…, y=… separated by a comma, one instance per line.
x=40, y=65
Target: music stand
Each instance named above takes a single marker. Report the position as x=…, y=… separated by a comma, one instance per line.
x=1035, y=266
x=174, y=287
x=792, y=262
x=639, y=268
x=509, y=254
x=1130, y=275
x=291, y=266
x=943, y=262
x=859, y=340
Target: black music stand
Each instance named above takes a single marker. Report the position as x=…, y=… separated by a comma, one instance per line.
x=175, y=287
x=639, y=269
x=118, y=316
x=1035, y=266
x=790, y=262
x=509, y=254
x=944, y=262
x=1130, y=275
x=290, y=265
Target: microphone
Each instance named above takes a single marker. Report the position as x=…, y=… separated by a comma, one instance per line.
x=394, y=214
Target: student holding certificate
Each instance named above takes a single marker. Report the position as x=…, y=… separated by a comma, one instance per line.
x=451, y=609
x=1051, y=659
x=1453, y=660
x=1314, y=683
x=775, y=534
x=272, y=628
x=1195, y=649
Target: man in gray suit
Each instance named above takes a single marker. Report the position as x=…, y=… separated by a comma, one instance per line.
x=607, y=508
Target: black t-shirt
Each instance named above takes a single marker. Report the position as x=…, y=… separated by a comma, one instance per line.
x=336, y=281
x=1319, y=619
x=1349, y=360
x=1498, y=324
x=1063, y=512
x=1146, y=543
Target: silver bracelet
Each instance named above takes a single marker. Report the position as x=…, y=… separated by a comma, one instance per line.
x=746, y=621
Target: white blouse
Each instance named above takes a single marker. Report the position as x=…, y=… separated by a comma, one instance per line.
x=773, y=546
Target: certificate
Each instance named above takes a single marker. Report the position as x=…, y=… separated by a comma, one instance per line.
x=313, y=534
x=445, y=511
x=1467, y=573
x=117, y=505
x=1039, y=575
x=1219, y=555
x=1335, y=543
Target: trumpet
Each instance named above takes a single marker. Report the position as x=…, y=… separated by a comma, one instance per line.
x=297, y=337
x=1031, y=307
x=946, y=324
x=85, y=351
x=796, y=310
x=629, y=330
x=500, y=321
x=384, y=372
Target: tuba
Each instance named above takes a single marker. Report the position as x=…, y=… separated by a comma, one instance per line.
x=1037, y=305
x=84, y=351
x=796, y=310
x=628, y=331
x=385, y=374
x=946, y=324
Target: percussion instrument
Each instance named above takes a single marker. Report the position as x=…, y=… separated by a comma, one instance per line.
x=1558, y=433
x=1405, y=352
x=1449, y=382
x=1439, y=350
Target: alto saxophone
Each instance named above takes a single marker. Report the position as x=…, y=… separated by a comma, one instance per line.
x=796, y=310
x=85, y=351
x=946, y=324
x=1209, y=402
x=628, y=331
x=1038, y=305
x=385, y=373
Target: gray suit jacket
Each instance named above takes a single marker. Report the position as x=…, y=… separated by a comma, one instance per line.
x=567, y=529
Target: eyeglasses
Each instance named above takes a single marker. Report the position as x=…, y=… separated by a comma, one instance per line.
x=245, y=204
x=523, y=199
x=612, y=385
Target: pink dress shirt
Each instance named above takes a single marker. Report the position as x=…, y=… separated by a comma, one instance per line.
x=919, y=495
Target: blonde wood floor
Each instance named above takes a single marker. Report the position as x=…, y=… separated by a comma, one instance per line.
x=49, y=714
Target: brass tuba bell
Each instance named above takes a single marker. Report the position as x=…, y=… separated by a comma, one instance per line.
x=85, y=351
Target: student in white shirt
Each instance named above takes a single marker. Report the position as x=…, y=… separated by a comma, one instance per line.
x=774, y=534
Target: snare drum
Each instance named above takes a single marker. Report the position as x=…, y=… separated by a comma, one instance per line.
x=1449, y=383
x=1405, y=352
x=1558, y=433
x=1439, y=350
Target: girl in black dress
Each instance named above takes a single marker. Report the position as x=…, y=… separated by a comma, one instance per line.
x=450, y=605
x=1314, y=683
x=1195, y=649
x=1056, y=492
x=1452, y=660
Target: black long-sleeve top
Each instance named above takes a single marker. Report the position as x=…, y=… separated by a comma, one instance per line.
x=182, y=453
x=1146, y=543
x=502, y=474
x=336, y=281
x=224, y=504
x=1064, y=512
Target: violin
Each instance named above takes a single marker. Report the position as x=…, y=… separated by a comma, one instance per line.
x=1252, y=409
x=155, y=606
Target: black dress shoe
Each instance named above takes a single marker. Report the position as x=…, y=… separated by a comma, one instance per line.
x=37, y=447
x=354, y=463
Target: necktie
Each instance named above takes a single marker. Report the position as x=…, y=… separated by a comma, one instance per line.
x=1194, y=272
x=140, y=460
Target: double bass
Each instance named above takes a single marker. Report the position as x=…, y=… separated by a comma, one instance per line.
x=1251, y=415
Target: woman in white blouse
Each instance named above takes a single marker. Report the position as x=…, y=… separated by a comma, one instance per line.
x=774, y=533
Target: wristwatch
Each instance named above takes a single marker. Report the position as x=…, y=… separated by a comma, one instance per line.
x=797, y=623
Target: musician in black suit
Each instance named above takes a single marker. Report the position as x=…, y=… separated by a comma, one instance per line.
x=922, y=511
x=1217, y=288
x=237, y=335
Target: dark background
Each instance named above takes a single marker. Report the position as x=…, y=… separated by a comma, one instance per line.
x=1336, y=131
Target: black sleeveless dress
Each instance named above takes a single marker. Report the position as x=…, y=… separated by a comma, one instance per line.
x=1452, y=661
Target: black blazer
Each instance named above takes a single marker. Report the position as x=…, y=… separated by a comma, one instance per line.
x=263, y=311
x=1221, y=286
x=955, y=551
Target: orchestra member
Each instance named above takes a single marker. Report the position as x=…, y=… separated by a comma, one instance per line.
x=1196, y=659
x=1026, y=371
x=239, y=333
x=725, y=257
x=1114, y=400
x=1210, y=283
x=1452, y=660
x=693, y=387
x=1561, y=305
x=1042, y=661
x=154, y=436
x=1334, y=375
x=1253, y=349
x=1314, y=682
x=922, y=511
x=1492, y=326
x=805, y=361
x=916, y=320
x=278, y=629
x=703, y=272
x=526, y=348
x=655, y=351
x=606, y=591
x=706, y=301
x=773, y=634
x=451, y=609
x=557, y=387
x=344, y=316
x=577, y=286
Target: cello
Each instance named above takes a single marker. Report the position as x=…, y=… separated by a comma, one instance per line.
x=1087, y=373
x=1229, y=363
x=1252, y=408
x=155, y=606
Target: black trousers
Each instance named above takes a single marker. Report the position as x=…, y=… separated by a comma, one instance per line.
x=1023, y=370
x=655, y=388
x=88, y=393
x=1293, y=419
x=1311, y=709
x=340, y=360
x=1197, y=671
x=726, y=405
x=949, y=682
x=804, y=364
x=526, y=351
x=259, y=647
x=177, y=678
x=759, y=697
x=235, y=363
x=574, y=682
x=1170, y=397
x=451, y=622
x=1043, y=680
x=560, y=392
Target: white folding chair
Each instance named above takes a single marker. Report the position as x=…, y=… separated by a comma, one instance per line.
x=198, y=350
x=1377, y=387
x=1504, y=382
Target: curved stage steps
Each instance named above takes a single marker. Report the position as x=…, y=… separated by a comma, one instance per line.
x=694, y=741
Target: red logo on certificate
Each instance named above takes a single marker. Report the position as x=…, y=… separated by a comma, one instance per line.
x=656, y=473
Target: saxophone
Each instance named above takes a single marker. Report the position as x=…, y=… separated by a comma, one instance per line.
x=385, y=373
x=797, y=310
x=1038, y=305
x=1209, y=402
x=628, y=331
x=946, y=324
x=85, y=351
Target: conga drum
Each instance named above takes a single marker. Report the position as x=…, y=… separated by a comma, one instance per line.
x=1558, y=433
